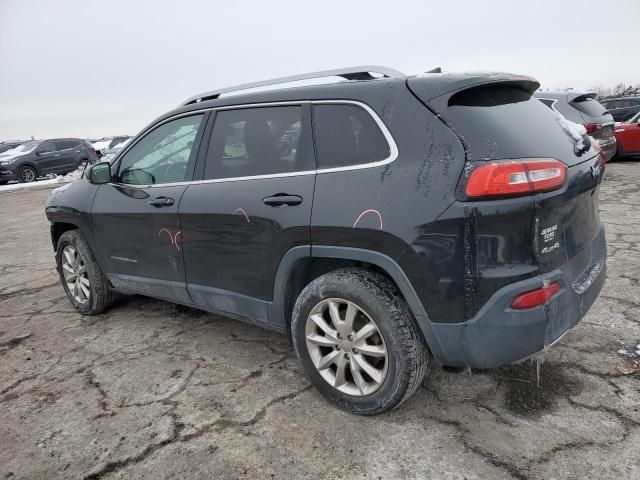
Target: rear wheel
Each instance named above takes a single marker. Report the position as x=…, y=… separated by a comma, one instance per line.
x=358, y=342
x=81, y=277
x=27, y=174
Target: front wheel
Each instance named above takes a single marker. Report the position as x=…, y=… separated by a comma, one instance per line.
x=358, y=342
x=27, y=175
x=83, y=282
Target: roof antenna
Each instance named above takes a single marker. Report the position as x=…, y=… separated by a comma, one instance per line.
x=434, y=70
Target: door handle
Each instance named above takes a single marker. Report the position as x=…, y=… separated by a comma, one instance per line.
x=161, y=202
x=282, y=199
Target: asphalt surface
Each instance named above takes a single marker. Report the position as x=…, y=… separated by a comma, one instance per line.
x=152, y=390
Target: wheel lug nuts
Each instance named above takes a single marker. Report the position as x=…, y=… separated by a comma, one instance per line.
x=355, y=352
x=350, y=337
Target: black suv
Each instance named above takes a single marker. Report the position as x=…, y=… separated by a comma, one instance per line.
x=622, y=108
x=378, y=221
x=37, y=158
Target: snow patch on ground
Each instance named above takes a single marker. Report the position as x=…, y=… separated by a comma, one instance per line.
x=50, y=180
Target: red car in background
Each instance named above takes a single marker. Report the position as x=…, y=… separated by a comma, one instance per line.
x=628, y=136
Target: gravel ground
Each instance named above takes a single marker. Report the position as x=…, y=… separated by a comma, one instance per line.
x=153, y=390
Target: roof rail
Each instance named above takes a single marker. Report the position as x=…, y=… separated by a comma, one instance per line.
x=350, y=73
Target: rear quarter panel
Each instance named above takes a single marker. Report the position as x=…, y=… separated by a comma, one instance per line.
x=385, y=208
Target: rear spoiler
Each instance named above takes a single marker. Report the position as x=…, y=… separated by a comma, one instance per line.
x=436, y=88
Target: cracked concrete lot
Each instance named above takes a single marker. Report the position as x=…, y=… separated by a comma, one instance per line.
x=152, y=390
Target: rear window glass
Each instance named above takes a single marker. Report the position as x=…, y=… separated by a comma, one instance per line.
x=589, y=106
x=347, y=135
x=502, y=122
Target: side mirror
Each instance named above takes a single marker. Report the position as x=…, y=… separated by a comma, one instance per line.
x=100, y=173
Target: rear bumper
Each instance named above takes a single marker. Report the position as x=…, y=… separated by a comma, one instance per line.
x=499, y=335
x=609, y=149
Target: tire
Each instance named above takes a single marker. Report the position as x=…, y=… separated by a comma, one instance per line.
x=378, y=300
x=100, y=295
x=4, y=182
x=27, y=174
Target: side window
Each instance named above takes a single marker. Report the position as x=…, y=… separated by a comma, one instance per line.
x=547, y=102
x=46, y=147
x=257, y=141
x=66, y=144
x=347, y=135
x=162, y=155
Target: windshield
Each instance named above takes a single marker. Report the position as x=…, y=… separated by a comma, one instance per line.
x=10, y=146
x=27, y=147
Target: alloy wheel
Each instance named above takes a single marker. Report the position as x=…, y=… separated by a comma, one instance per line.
x=27, y=175
x=75, y=274
x=346, y=347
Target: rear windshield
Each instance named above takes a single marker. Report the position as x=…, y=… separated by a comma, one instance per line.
x=502, y=122
x=589, y=106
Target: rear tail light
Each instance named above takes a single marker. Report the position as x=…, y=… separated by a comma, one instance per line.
x=592, y=127
x=516, y=177
x=535, y=298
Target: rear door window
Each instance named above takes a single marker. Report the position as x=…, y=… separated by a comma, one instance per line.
x=249, y=142
x=347, y=135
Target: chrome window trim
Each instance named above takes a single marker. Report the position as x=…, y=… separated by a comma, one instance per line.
x=393, y=147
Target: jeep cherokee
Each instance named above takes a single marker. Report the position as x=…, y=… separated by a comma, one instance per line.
x=379, y=221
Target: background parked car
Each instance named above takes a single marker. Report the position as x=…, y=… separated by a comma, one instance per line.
x=622, y=108
x=6, y=146
x=36, y=158
x=628, y=137
x=583, y=108
x=108, y=143
x=108, y=155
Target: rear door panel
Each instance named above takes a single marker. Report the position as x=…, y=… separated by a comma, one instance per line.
x=233, y=242
x=233, y=235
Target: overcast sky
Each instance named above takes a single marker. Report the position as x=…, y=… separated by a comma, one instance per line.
x=96, y=68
